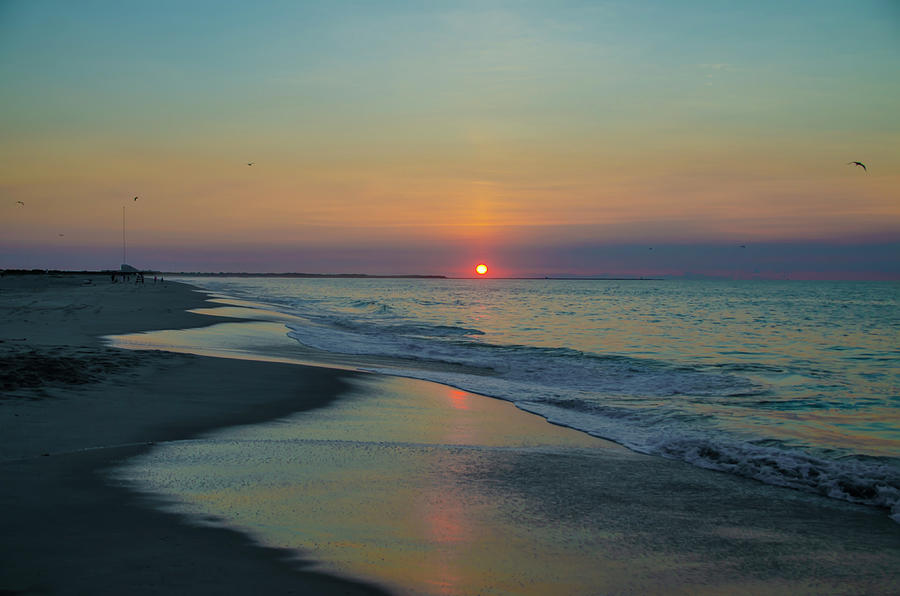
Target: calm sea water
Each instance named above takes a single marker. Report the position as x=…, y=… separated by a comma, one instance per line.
x=792, y=383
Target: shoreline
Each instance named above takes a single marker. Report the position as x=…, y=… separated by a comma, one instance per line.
x=860, y=483
x=79, y=521
x=66, y=528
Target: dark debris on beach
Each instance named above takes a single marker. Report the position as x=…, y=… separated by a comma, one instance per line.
x=34, y=369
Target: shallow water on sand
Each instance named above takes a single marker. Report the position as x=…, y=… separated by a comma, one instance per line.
x=427, y=489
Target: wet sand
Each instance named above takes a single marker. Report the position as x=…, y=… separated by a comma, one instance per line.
x=427, y=489
x=409, y=485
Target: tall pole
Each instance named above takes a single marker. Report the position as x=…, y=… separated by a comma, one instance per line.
x=124, y=255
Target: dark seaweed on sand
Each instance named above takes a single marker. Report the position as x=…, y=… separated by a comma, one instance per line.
x=36, y=369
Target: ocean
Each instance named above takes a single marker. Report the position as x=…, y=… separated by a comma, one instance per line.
x=792, y=383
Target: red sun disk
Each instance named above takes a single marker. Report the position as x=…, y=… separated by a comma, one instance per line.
x=481, y=269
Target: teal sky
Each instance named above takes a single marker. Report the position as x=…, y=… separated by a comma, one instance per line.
x=456, y=130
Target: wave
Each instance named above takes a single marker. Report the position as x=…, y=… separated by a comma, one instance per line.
x=619, y=398
x=371, y=306
x=656, y=428
x=562, y=368
x=869, y=481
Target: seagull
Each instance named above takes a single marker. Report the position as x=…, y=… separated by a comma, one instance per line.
x=135, y=198
x=251, y=163
x=21, y=203
x=858, y=163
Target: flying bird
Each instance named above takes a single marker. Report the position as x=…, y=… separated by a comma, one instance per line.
x=858, y=163
x=61, y=235
x=135, y=198
x=20, y=202
x=251, y=163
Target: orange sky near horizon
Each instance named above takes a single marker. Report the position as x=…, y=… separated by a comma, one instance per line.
x=483, y=127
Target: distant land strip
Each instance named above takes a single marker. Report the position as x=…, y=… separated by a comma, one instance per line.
x=326, y=275
x=210, y=274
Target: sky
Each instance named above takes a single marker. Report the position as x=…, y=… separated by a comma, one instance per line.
x=648, y=138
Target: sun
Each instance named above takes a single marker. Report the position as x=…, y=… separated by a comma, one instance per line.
x=480, y=268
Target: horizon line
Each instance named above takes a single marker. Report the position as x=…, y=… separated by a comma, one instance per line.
x=303, y=275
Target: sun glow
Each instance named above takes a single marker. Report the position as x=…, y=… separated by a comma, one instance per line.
x=481, y=269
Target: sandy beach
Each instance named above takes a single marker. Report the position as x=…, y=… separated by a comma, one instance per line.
x=72, y=407
x=512, y=504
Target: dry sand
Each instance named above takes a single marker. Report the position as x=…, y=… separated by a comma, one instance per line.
x=71, y=407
